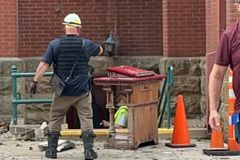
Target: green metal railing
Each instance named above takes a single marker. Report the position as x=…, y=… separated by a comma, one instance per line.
x=16, y=97
x=165, y=97
x=169, y=91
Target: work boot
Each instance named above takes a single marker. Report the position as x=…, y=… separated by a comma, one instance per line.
x=51, y=151
x=87, y=138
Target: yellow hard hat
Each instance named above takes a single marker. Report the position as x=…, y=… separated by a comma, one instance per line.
x=72, y=20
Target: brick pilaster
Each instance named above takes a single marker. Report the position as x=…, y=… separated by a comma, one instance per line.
x=8, y=32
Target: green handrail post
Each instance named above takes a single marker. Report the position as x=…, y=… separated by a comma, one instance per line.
x=14, y=94
x=169, y=90
x=16, y=99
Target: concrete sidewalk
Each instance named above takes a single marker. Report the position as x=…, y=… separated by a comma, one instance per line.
x=28, y=150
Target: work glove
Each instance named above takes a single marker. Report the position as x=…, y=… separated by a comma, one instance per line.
x=33, y=88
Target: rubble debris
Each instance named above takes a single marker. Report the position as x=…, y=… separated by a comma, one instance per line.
x=7, y=134
x=63, y=145
x=18, y=145
x=44, y=127
x=28, y=135
x=41, y=132
x=35, y=134
x=66, y=146
x=3, y=127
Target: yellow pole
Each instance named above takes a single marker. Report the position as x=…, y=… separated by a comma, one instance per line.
x=104, y=132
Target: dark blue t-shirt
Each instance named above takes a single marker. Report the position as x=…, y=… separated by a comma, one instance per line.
x=90, y=49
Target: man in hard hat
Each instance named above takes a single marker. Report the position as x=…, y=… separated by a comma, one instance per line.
x=227, y=55
x=120, y=118
x=121, y=115
x=69, y=55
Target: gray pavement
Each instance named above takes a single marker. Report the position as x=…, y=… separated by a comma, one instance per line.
x=11, y=149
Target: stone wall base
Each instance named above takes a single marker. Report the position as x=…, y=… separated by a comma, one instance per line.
x=189, y=80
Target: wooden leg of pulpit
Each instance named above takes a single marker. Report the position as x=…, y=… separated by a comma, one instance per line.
x=111, y=107
x=112, y=129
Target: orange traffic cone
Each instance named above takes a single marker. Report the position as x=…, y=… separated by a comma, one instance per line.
x=232, y=143
x=217, y=145
x=217, y=139
x=180, y=137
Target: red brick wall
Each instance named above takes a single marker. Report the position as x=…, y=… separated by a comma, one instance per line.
x=184, y=28
x=137, y=25
x=212, y=16
x=216, y=21
x=40, y=22
x=8, y=25
x=232, y=14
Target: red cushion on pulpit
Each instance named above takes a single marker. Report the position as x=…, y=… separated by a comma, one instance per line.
x=129, y=71
x=126, y=80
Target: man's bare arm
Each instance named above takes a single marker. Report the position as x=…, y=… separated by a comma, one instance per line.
x=214, y=89
x=215, y=85
x=42, y=67
x=101, y=51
